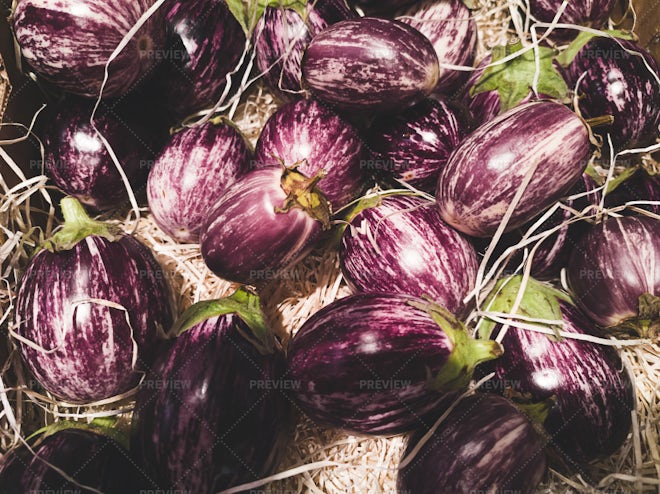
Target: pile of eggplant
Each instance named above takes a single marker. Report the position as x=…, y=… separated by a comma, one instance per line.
x=391, y=146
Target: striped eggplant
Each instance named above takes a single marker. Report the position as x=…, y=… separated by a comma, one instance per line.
x=92, y=461
x=258, y=228
x=590, y=13
x=308, y=135
x=380, y=363
x=281, y=36
x=484, y=173
x=69, y=42
x=619, y=83
x=91, y=309
x=213, y=412
x=485, y=444
x=205, y=44
x=402, y=246
x=414, y=145
x=370, y=65
x=382, y=7
x=614, y=274
x=639, y=187
x=77, y=161
x=592, y=392
x=450, y=27
x=195, y=168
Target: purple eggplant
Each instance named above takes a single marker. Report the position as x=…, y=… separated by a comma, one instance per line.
x=213, y=412
x=450, y=27
x=614, y=274
x=282, y=35
x=370, y=65
x=77, y=161
x=94, y=462
x=380, y=363
x=205, y=44
x=484, y=445
x=484, y=173
x=69, y=43
x=258, y=228
x=97, y=303
x=617, y=83
x=639, y=187
x=592, y=392
x=414, y=145
x=192, y=172
x=403, y=246
x=313, y=138
x=590, y=13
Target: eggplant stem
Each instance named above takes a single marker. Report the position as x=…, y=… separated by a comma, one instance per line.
x=601, y=121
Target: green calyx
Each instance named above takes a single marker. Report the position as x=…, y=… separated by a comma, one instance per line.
x=248, y=13
x=539, y=301
x=78, y=226
x=467, y=352
x=303, y=193
x=618, y=178
x=513, y=80
x=104, y=426
x=647, y=322
x=569, y=54
x=244, y=304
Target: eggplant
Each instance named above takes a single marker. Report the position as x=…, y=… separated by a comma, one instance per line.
x=614, y=274
x=213, y=413
x=592, y=13
x=258, y=229
x=450, y=27
x=639, y=187
x=485, y=171
x=95, y=462
x=591, y=391
x=77, y=161
x=414, y=145
x=619, y=84
x=381, y=363
x=485, y=444
x=403, y=246
x=311, y=137
x=370, y=65
x=97, y=303
x=192, y=172
x=69, y=43
x=281, y=36
x=205, y=44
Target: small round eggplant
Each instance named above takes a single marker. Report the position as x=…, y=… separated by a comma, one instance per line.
x=450, y=27
x=69, y=42
x=414, y=145
x=97, y=303
x=484, y=445
x=309, y=136
x=205, y=44
x=282, y=35
x=618, y=83
x=94, y=462
x=590, y=13
x=212, y=413
x=254, y=233
x=370, y=65
x=190, y=175
x=486, y=170
x=614, y=273
x=592, y=392
x=403, y=246
x=380, y=363
x=77, y=161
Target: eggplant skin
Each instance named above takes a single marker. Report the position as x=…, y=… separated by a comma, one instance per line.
x=639, y=187
x=591, y=13
x=484, y=173
x=94, y=359
x=403, y=246
x=484, y=445
x=93, y=460
x=69, y=43
x=370, y=65
x=615, y=263
x=191, y=173
x=362, y=364
x=213, y=412
x=618, y=83
x=310, y=136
